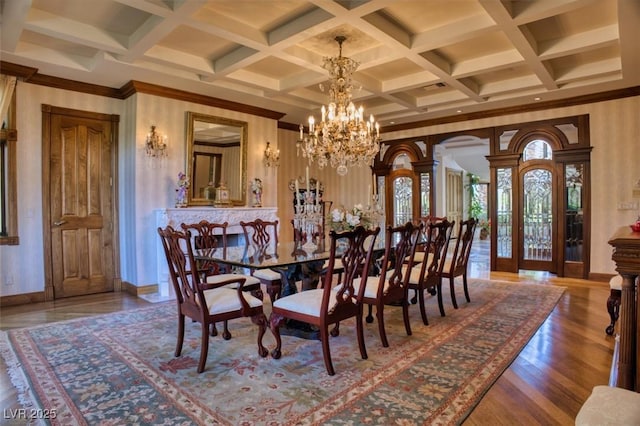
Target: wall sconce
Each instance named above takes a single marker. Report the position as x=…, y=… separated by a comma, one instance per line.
x=271, y=157
x=156, y=144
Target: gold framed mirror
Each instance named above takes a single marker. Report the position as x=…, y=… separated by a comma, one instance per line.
x=216, y=155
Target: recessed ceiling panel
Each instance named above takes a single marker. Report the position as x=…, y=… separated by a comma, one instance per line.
x=195, y=42
x=421, y=16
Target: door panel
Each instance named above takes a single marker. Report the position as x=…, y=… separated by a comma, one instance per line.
x=81, y=206
x=402, y=196
x=538, y=235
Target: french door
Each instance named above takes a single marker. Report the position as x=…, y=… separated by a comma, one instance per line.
x=537, y=236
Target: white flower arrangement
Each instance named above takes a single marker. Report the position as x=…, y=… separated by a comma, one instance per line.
x=346, y=220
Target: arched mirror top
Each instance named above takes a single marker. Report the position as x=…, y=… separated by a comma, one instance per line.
x=216, y=160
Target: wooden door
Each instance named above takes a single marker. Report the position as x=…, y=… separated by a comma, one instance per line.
x=78, y=174
x=537, y=236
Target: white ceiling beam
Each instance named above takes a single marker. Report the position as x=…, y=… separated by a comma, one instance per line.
x=521, y=40
x=72, y=31
x=14, y=14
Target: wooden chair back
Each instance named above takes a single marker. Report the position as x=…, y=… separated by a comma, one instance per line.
x=462, y=248
x=260, y=232
x=400, y=243
x=426, y=221
x=183, y=273
x=356, y=260
x=438, y=236
x=208, y=235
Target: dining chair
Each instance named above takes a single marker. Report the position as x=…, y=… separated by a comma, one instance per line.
x=427, y=274
x=392, y=286
x=211, y=235
x=457, y=264
x=331, y=304
x=422, y=246
x=206, y=303
x=262, y=234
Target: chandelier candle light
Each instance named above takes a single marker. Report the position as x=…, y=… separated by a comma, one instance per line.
x=271, y=157
x=156, y=144
x=343, y=137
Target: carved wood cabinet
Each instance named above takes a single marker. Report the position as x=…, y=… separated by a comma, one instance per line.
x=626, y=255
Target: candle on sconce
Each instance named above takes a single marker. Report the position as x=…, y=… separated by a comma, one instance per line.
x=297, y=191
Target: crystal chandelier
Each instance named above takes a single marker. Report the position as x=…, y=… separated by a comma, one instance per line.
x=343, y=138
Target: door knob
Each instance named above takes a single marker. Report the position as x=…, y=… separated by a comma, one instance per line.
x=60, y=222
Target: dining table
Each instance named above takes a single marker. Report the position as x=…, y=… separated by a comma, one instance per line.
x=294, y=261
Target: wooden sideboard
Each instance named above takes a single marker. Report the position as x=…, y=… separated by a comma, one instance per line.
x=626, y=255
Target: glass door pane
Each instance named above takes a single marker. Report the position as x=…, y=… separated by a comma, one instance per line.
x=402, y=200
x=573, y=213
x=504, y=213
x=537, y=215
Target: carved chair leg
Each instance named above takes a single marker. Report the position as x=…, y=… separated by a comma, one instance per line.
x=405, y=316
x=423, y=312
x=466, y=288
x=414, y=299
x=360, y=332
x=335, y=331
x=381, y=330
x=324, y=337
x=261, y=321
x=452, y=290
x=370, y=315
x=439, y=293
x=204, y=348
x=226, y=335
x=275, y=321
x=180, y=335
x=613, y=307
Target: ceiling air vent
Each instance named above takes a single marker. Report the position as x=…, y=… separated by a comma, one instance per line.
x=436, y=86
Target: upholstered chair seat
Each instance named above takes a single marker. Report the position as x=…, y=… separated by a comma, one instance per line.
x=250, y=281
x=223, y=299
x=610, y=406
x=267, y=275
x=307, y=302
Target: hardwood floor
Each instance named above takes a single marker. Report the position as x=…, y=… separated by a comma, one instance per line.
x=545, y=385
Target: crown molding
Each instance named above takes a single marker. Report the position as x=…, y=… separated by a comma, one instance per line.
x=31, y=75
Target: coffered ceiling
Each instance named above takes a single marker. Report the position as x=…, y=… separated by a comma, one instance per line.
x=419, y=59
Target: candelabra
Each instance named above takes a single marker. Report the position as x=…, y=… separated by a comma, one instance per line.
x=374, y=210
x=308, y=217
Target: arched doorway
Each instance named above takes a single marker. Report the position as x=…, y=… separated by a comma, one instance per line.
x=556, y=240
x=541, y=197
x=537, y=237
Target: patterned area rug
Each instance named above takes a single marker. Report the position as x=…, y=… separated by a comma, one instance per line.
x=119, y=368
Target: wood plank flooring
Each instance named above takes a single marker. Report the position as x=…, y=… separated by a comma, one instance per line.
x=545, y=385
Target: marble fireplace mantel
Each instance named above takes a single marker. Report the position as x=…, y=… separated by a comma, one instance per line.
x=232, y=215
